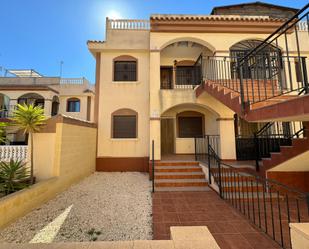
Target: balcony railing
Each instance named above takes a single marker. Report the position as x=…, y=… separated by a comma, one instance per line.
x=262, y=77
x=15, y=152
x=266, y=71
x=127, y=24
x=303, y=25
x=6, y=111
x=74, y=81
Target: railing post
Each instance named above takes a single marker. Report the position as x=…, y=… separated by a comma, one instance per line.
x=153, y=164
x=241, y=87
x=219, y=170
x=257, y=152
x=195, y=146
x=209, y=166
x=305, y=76
x=307, y=200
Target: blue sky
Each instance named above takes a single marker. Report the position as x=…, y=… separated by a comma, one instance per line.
x=38, y=34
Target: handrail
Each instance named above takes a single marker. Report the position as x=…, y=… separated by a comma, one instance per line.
x=153, y=165
x=277, y=31
x=263, y=201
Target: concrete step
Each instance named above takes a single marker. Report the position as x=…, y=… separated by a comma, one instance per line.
x=179, y=180
x=177, y=169
x=179, y=175
x=180, y=184
x=182, y=189
x=176, y=163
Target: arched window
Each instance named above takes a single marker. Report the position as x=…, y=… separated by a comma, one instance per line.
x=124, y=124
x=267, y=61
x=125, y=68
x=73, y=105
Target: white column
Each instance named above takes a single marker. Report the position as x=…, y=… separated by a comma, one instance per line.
x=227, y=138
x=155, y=122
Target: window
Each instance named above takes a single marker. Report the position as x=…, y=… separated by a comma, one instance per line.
x=73, y=105
x=125, y=68
x=189, y=127
x=124, y=124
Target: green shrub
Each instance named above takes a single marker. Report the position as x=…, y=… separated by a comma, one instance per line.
x=14, y=176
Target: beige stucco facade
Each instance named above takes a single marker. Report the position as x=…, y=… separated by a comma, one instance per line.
x=152, y=50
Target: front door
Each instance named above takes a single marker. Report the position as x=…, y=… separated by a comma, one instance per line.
x=167, y=136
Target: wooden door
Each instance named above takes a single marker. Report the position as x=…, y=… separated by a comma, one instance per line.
x=167, y=136
x=166, y=77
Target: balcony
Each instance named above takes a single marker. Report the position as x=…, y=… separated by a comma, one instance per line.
x=127, y=24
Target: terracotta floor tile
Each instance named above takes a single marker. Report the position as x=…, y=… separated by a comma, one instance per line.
x=230, y=228
x=243, y=227
x=170, y=217
x=168, y=208
x=232, y=241
x=257, y=240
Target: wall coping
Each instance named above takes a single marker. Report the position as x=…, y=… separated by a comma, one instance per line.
x=301, y=228
x=50, y=126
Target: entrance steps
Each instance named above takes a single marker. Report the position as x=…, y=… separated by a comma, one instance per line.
x=179, y=176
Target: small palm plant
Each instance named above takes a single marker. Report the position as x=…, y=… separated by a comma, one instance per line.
x=29, y=119
x=14, y=176
x=2, y=132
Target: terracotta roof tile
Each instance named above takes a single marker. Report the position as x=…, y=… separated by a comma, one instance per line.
x=214, y=18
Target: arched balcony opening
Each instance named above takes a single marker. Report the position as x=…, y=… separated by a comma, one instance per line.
x=4, y=106
x=181, y=64
x=55, y=106
x=266, y=63
x=31, y=99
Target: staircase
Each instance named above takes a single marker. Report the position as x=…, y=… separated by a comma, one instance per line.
x=299, y=146
x=179, y=176
x=267, y=100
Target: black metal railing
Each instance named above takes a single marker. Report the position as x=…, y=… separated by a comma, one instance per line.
x=153, y=166
x=268, y=204
x=201, y=146
x=184, y=77
x=6, y=111
x=263, y=78
x=268, y=139
x=273, y=68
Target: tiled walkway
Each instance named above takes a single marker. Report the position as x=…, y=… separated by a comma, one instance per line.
x=229, y=228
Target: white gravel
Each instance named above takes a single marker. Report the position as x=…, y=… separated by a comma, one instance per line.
x=104, y=206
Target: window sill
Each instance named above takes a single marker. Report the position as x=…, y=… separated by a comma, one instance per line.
x=126, y=82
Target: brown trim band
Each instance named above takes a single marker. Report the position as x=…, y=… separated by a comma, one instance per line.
x=120, y=164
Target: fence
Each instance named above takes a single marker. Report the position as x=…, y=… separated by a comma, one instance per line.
x=15, y=152
x=268, y=204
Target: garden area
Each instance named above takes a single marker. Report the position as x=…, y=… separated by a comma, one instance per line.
x=102, y=207
x=17, y=174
